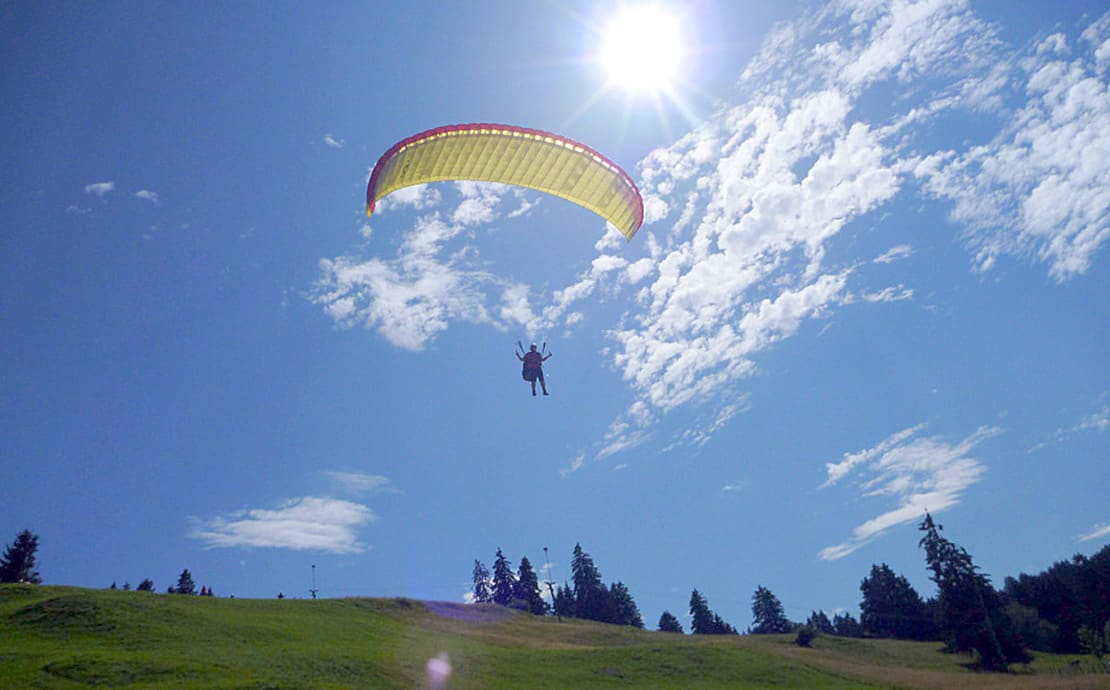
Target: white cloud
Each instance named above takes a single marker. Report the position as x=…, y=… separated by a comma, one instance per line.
x=359, y=482
x=1098, y=531
x=419, y=196
x=743, y=212
x=915, y=473
x=309, y=523
x=902, y=251
x=334, y=142
x=100, y=188
x=147, y=195
x=1041, y=187
x=733, y=486
x=410, y=299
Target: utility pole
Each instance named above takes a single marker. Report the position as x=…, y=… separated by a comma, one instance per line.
x=549, y=587
x=313, y=590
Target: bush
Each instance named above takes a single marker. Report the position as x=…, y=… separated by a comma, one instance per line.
x=806, y=635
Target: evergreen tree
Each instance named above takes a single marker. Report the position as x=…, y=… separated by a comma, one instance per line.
x=768, y=616
x=668, y=623
x=591, y=598
x=702, y=617
x=845, y=625
x=625, y=611
x=113, y=586
x=482, y=594
x=126, y=586
x=705, y=622
x=1067, y=596
x=564, y=601
x=184, y=584
x=503, y=580
x=971, y=609
x=891, y=607
x=147, y=585
x=18, y=563
x=820, y=623
x=526, y=594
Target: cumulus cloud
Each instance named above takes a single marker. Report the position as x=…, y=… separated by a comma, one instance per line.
x=1041, y=187
x=147, y=195
x=310, y=523
x=841, y=113
x=100, y=188
x=910, y=474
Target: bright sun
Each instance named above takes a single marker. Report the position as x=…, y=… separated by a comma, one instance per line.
x=642, y=49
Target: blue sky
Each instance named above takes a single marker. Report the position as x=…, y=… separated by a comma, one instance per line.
x=872, y=281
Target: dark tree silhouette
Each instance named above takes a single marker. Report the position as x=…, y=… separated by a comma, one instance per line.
x=591, y=598
x=564, y=601
x=147, y=585
x=624, y=609
x=503, y=580
x=19, y=561
x=768, y=616
x=892, y=608
x=482, y=593
x=971, y=610
x=668, y=623
x=820, y=622
x=526, y=592
x=705, y=622
x=185, y=584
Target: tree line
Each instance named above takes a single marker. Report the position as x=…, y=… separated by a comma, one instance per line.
x=1064, y=609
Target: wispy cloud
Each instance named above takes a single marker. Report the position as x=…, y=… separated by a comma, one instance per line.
x=1098, y=531
x=359, y=482
x=733, y=486
x=309, y=523
x=334, y=142
x=912, y=472
x=902, y=251
x=100, y=188
x=147, y=195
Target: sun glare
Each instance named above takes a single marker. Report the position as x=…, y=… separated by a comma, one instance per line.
x=642, y=49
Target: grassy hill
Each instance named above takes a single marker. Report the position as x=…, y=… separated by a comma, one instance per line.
x=65, y=637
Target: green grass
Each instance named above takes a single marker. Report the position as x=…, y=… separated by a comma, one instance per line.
x=64, y=637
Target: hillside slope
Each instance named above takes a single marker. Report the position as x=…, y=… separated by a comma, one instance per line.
x=64, y=637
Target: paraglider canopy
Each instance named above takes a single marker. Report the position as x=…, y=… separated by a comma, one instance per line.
x=511, y=155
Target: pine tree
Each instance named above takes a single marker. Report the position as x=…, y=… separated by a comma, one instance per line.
x=971, y=609
x=504, y=582
x=668, y=623
x=625, y=611
x=591, y=598
x=564, y=601
x=820, y=623
x=526, y=594
x=891, y=607
x=18, y=563
x=482, y=594
x=845, y=625
x=768, y=616
x=147, y=585
x=184, y=584
x=702, y=617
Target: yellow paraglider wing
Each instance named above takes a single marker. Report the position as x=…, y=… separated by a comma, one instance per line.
x=511, y=155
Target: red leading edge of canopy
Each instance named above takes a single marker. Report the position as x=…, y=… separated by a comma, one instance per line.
x=373, y=184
